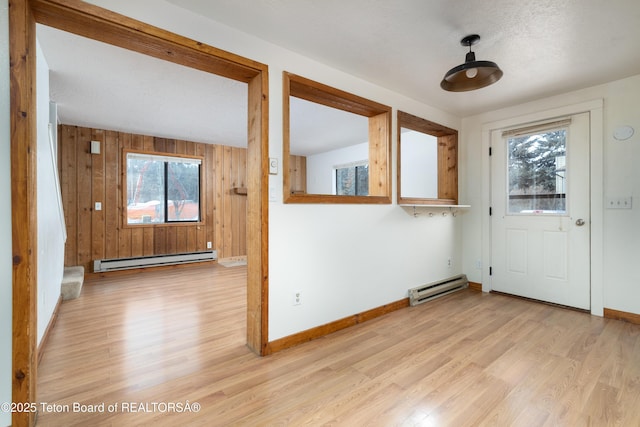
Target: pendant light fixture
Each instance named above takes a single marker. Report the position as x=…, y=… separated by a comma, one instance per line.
x=472, y=74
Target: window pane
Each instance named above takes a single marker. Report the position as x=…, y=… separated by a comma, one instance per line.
x=346, y=181
x=352, y=181
x=183, y=191
x=145, y=191
x=537, y=173
x=362, y=180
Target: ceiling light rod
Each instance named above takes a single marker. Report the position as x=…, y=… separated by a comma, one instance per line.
x=472, y=74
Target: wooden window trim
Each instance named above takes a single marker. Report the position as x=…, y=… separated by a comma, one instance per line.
x=123, y=182
x=379, y=139
x=447, y=160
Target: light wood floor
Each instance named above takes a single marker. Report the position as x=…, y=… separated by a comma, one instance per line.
x=468, y=359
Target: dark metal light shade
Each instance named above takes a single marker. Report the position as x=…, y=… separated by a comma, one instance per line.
x=472, y=74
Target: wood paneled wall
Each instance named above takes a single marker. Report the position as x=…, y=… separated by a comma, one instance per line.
x=89, y=178
x=298, y=174
x=448, y=167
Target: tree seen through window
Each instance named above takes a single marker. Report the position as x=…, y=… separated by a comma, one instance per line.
x=162, y=189
x=537, y=172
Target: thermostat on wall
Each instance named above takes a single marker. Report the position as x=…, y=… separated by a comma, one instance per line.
x=622, y=133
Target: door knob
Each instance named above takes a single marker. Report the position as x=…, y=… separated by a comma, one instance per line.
x=580, y=222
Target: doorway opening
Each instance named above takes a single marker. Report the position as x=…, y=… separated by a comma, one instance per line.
x=94, y=22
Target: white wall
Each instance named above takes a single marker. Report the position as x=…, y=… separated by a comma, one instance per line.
x=5, y=218
x=620, y=228
x=419, y=173
x=320, y=167
x=345, y=259
x=50, y=227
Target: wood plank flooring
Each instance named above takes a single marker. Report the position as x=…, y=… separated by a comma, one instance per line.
x=147, y=341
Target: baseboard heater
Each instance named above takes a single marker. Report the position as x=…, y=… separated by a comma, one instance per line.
x=434, y=290
x=102, y=265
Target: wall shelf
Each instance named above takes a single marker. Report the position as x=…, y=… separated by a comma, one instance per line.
x=240, y=190
x=436, y=206
x=440, y=210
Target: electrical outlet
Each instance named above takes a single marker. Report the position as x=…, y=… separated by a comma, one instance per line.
x=297, y=298
x=208, y=245
x=479, y=264
x=449, y=262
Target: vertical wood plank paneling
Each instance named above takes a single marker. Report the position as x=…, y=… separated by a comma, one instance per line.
x=181, y=146
x=448, y=167
x=147, y=241
x=68, y=187
x=191, y=239
x=298, y=174
x=227, y=201
x=241, y=214
x=124, y=243
x=148, y=143
x=111, y=200
x=206, y=206
x=181, y=239
x=160, y=240
x=190, y=148
x=235, y=201
x=98, y=195
x=159, y=145
x=379, y=156
x=170, y=146
x=85, y=199
x=218, y=205
x=210, y=194
x=87, y=178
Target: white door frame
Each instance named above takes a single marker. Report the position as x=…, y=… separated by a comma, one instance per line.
x=596, y=190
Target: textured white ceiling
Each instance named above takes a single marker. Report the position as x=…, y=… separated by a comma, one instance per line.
x=103, y=86
x=544, y=47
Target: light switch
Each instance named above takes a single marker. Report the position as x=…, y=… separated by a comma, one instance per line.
x=98, y=206
x=618, y=203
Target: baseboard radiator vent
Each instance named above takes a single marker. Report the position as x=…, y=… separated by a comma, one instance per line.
x=437, y=289
x=102, y=265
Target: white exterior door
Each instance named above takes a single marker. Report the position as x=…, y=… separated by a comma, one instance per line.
x=540, y=221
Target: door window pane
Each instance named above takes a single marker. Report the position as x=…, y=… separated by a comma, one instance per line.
x=537, y=173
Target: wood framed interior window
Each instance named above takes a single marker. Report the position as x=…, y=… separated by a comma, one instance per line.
x=374, y=150
x=161, y=189
x=427, y=162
